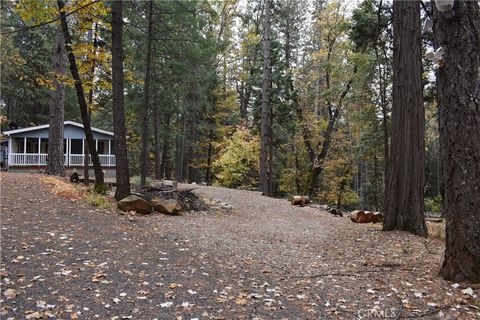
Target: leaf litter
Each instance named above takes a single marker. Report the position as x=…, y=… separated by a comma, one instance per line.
x=262, y=260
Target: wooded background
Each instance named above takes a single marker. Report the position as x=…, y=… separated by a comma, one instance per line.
x=194, y=76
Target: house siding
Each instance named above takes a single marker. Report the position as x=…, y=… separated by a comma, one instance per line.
x=31, y=153
x=70, y=132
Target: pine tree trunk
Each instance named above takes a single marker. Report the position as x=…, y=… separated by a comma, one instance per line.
x=120, y=131
x=144, y=165
x=166, y=166
x=265, y=147
x=459, y=118
x=209, y=157
x=55, y=163
x=97, y=167
x=86, y=158
x=404, y=205
x=157, y=142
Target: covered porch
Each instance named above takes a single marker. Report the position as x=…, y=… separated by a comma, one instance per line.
x=25, y=151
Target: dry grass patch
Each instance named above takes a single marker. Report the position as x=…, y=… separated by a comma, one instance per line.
x=62, y=188
x=436, y=230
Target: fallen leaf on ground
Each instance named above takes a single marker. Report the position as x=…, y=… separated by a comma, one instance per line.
x=10, y=294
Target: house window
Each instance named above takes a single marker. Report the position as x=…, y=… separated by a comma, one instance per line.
x=32, y=145
x=44, y=145
x=76, y=146
x=102, y=146
x=17, y=145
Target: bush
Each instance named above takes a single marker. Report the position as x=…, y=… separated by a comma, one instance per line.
x=100, y=188
x=433, y=204
x=238, y=163
x=97, y=200
x=135, y=181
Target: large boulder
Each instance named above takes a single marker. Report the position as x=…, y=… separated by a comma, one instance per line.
x=135, y=203
x=170, y=206
x=360, y=216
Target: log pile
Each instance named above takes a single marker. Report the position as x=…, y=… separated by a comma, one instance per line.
x=163, y=197
x=187, y=199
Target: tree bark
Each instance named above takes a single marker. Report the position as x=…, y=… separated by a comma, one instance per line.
x=166, y=165
x=157, y=142
x=404, y=205
x=55, y=158
x=97, y=167
x=382, y=84
x=144, y=163
x=119, y=129
x=209, y=157
x=459, y=118
x=86, y=158
x=265, y=140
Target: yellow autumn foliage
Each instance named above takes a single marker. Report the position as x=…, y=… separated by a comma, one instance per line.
x=238, y=163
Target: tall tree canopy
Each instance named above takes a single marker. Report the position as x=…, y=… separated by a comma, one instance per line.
x=309, y=89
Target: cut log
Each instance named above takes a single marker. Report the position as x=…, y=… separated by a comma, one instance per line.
x=360, y=216
x=300, y=200
x=378, y=217
x=354, y=213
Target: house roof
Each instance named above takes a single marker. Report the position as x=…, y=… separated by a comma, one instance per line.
x=46, y=126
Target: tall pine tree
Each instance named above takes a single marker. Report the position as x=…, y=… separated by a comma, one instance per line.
x=404, y=204
x=459, y=120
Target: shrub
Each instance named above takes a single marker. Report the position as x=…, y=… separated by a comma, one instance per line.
x=135, y=181
x=96, y=200
x=100, y=188
x=238, y=163
x=433, y=204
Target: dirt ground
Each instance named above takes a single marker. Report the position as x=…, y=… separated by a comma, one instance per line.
x=264, y=259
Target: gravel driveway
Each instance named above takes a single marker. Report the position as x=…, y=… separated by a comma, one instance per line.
x=264, y=259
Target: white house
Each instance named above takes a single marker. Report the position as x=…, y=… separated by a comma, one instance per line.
x=26, y=148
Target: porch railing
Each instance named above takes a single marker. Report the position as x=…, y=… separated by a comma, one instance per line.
x=35, y=159
x=25, y=159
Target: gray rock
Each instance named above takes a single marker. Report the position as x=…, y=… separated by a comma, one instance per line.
x=135, y=203
x=170, y=206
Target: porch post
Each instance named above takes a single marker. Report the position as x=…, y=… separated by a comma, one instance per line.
x=24, y=150
x=68, y=151
x=109, y=158
x=83, y=151
x=39, y=162
x=9, y=157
